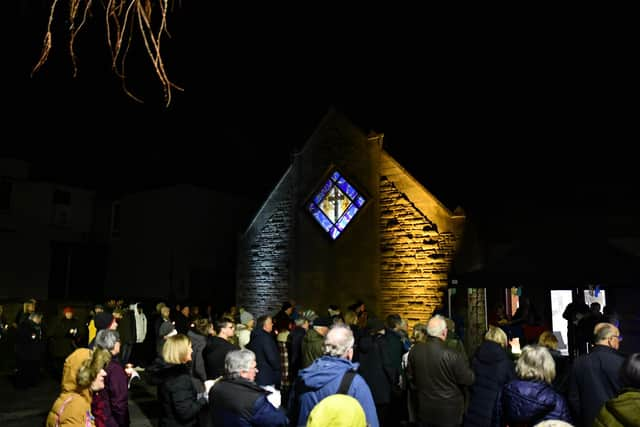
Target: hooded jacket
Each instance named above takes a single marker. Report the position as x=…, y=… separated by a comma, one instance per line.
x=323, y=378
x=176, y=393
x=493, y=369
x=338, y=410
x=621, y=411
x=527, y=403
x=73, y=405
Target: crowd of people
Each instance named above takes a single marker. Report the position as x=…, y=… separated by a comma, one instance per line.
x=339, y=367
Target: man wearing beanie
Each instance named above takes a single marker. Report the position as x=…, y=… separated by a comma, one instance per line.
x=104, y=320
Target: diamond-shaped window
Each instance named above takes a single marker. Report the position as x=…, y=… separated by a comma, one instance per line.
x=335, y=205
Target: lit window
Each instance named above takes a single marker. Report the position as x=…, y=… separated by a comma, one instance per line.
x=335, y=205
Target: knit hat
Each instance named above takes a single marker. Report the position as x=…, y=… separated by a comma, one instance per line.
x=337, y=410
x=167, y=329
x=310, y=315
x=67, y=310
x=103, y=320
x=245, y=317
x=323, y=321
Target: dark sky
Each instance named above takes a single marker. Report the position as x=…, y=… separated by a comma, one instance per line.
x=485, y=122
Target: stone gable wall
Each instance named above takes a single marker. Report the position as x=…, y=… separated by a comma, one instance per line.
x=263, y=258
x=414, y=258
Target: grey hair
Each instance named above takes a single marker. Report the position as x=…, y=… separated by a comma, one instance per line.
x=106, y=339
x=238, y=360
x=339, y=340
x=535, y=363
x=436, y=326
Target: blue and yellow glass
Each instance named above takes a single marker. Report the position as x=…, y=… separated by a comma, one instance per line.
x=336, y=204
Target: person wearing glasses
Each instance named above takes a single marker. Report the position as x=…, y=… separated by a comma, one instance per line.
x=595, y=376
x=217, y=347
x=236, y=400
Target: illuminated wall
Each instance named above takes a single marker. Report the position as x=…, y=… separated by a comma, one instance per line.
x=395, y=255
x=418, y=240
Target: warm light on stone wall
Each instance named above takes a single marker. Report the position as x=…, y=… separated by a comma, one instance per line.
x=414, y=257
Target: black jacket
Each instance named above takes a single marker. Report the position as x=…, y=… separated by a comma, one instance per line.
x=239, y=402
x=594, y=379
x=437, y=376
x=176, y=393
x=214, y=354
x=493, y=369
x=267, y=357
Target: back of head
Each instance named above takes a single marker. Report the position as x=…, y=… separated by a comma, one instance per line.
x=339, y=341
x=536, y=364
x=496, y=335
x=436, y=326
x=419, y=332
x=630, y=371
x=549, y=340
x=202, y=326
x=337, y=410
x=106, y=339
x=176, y=348
x=237, y=361
x=103, y=320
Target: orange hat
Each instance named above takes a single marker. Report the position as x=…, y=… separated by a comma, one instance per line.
x=67, y=310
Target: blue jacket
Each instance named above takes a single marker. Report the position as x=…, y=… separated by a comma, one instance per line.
x=530, y=402
x=237, y=402
x=323, y=379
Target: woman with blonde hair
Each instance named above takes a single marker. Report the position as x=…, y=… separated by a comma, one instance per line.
x=530, y=399
x=83, y=375
x=493, y=369
x=561, y=382
x=178, y=397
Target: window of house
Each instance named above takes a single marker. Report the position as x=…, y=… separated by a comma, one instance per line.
x=335, y=205
x=6, y=188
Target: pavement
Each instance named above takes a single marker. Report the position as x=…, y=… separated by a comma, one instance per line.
x=29, y=408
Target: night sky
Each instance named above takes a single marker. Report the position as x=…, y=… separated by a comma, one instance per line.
x=483, y=122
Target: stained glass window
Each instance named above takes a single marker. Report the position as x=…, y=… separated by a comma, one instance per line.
x=335, y=205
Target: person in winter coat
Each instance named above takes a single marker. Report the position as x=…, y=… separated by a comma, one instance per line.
x=30, y=349
x=594, y=377
x=376, y=366
x=438, y=376
x=530, y=399
x=179, y=401
x=202, y=330
x=338, y=410
x=624, y=410
x=493, y=369
x=64, y=339
x=263, y=345
x=236, y=400
x=111, y=405
x=324, y=376
x=83, y=374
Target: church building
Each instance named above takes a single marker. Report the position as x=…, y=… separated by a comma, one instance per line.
x=347, y=222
